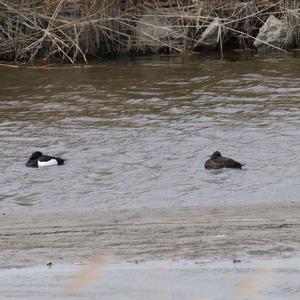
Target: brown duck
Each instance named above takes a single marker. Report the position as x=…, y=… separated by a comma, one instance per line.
x=217, y=161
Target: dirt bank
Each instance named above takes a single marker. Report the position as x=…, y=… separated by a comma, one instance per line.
x=234, y=232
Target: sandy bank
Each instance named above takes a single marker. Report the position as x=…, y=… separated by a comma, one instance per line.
x=229, y=232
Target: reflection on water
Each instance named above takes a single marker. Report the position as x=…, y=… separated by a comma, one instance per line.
x=136, y=133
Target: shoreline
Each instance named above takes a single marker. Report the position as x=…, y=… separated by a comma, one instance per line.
x=92, y=64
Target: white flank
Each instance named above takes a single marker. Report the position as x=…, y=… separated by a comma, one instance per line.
x=51, y=162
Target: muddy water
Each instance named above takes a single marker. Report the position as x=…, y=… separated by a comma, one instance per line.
x=184, y=280
x=136, y=133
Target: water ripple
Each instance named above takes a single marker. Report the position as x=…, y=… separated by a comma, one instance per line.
x=137, y=135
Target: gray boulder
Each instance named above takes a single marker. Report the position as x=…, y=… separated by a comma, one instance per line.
x=273, y=32
x=154, y=31
x=211, y=36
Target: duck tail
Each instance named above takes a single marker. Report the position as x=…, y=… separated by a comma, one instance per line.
x=60, y=161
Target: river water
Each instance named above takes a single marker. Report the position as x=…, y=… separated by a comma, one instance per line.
x=184, y=280
x=136, y=133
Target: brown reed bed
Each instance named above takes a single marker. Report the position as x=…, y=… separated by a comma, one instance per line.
x=72, y=31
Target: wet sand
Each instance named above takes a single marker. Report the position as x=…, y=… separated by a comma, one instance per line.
x=260, y=231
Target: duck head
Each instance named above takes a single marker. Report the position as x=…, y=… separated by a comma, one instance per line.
x=36, y=155
x=215, y=155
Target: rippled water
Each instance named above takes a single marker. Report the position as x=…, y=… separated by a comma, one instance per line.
x=136, y=133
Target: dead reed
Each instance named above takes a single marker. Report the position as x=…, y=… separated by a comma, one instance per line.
x=80, y=29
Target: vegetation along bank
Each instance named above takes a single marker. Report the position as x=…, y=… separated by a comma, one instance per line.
x=79, y=30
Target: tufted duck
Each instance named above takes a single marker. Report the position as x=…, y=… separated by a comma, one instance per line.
x=37, y=159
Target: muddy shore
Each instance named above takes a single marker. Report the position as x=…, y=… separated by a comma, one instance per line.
x=197, y=232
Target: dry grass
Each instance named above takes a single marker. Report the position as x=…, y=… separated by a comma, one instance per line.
x=77, y=30
x=291, y=12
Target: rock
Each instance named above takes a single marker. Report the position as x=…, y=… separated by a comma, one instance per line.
x=154, y=31
x=273, y=32
x=210, y=38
